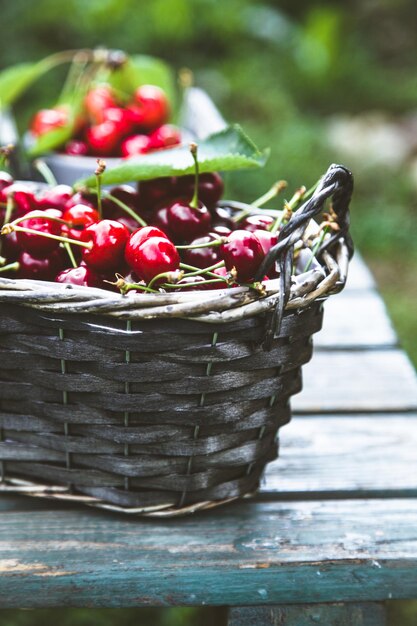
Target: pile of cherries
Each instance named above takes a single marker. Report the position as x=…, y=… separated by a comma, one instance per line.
x=111, y=128
x=166, y=234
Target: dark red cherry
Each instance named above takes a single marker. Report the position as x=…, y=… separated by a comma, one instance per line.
x=41, y=269
x=165, y=136
x=80, y=216
x=130, y=223
x=222, y=217
x=10, y=249
x=186, y=222
x=243, y=251
x=103, y=139
x=160, y=219
x=154, y=192
x=55, y=197
x=135, y=145
x=37, y=245
x=154, y=256
x=222, y=231
x=267, y=240
x=97, y=101
x=126, y=194
x=150, y=106
x=76, y=147
x=6, y=179
x=202, y=257
x=82, y=276
x=108, y=239
x=210, y=187
x=256, y=222
x=24, y=198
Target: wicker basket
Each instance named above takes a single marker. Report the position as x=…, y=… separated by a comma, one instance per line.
x=160, y=404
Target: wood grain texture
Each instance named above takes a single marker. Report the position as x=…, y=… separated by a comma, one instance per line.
x=353, y=320
x=365, y=614
x=246, y=554
x=343, y=381
x=345, y=456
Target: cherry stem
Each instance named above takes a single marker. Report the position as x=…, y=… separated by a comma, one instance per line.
x=39, y=215
x=12, y=267
x=125, y=286
x=269, y=195
x=219, y=279
x=8, y=214
x=315, y=248
x=164, y=275
x=127, y=209
x=45, y=171
x=9, y=228
x=5, y=152
x=194, y=200
x=101, y=166
x=70, y=254
x=197, y=271
x=209, y=244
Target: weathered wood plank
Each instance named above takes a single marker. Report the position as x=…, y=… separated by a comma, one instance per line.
x=365, y=614
x=382, y=380
x=355, y=319
x=359, y=276
x=349, y=457
x=246, y=554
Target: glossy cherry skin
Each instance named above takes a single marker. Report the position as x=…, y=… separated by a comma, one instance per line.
x=10, y=249
x=256, y=222
x=154, y=256
x=126, y=194
x=103, y=138
x=80, y=216
x=267, y=240
x=23, y=196
x=97, y=101
x=243, y=251
x=82, y=198
x=48, y=119
x=135, y=145
x=40, y=269
x=185, y=222
x=165, y=136
x=38, y=246
x=122, y=118
x=76, y=147
x=210, y=187
x=154, y=192
x=160, y=219
x=55, y=197
x=82, y=276
x=137, y=239
x=6, y=179
x=150, y=106
x=202, y=257
x=108, y=239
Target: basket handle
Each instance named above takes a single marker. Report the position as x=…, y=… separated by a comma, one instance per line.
x=336, y=183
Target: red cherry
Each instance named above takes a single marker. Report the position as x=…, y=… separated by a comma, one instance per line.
x=109, y=240
x=76, y=147
x=130, y=223
x=165, y=136
x=81, y=216
x=267, y=240
x=202, y=257
x=23, y=196
x=81, y=198
x=160, y=219
x=256, y=222
x=137, y=239
x=210, y=187
x=135, y=144
x=103, y=138
x=41, y=269
x=5, y=180
x=154, y=256
x=126, y=194
x=122, y=118
x=154, y=192
x=150, y=106
x=55, y=197
x=97, y=101
x=48, y=119
x=222, y=231
x=243, y=251
x=222, y=217
x=10, y=247
x=82, y=275
x=185, y=222
x=38, y=246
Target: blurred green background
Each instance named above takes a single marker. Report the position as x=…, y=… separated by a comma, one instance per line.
x=319, y=82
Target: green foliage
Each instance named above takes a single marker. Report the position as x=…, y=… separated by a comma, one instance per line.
x=230, y=149
x=141, y=69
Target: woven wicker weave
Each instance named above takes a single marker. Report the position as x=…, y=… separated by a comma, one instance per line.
x=160, y=404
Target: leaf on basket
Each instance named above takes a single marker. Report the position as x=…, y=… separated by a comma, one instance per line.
x=230, y=149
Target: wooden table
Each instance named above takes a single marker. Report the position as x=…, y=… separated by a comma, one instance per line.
x=331, y=535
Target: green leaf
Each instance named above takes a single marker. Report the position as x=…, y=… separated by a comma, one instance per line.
x=144, y=70
x=51, y=140
x=230, y=149
x=14, y=80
